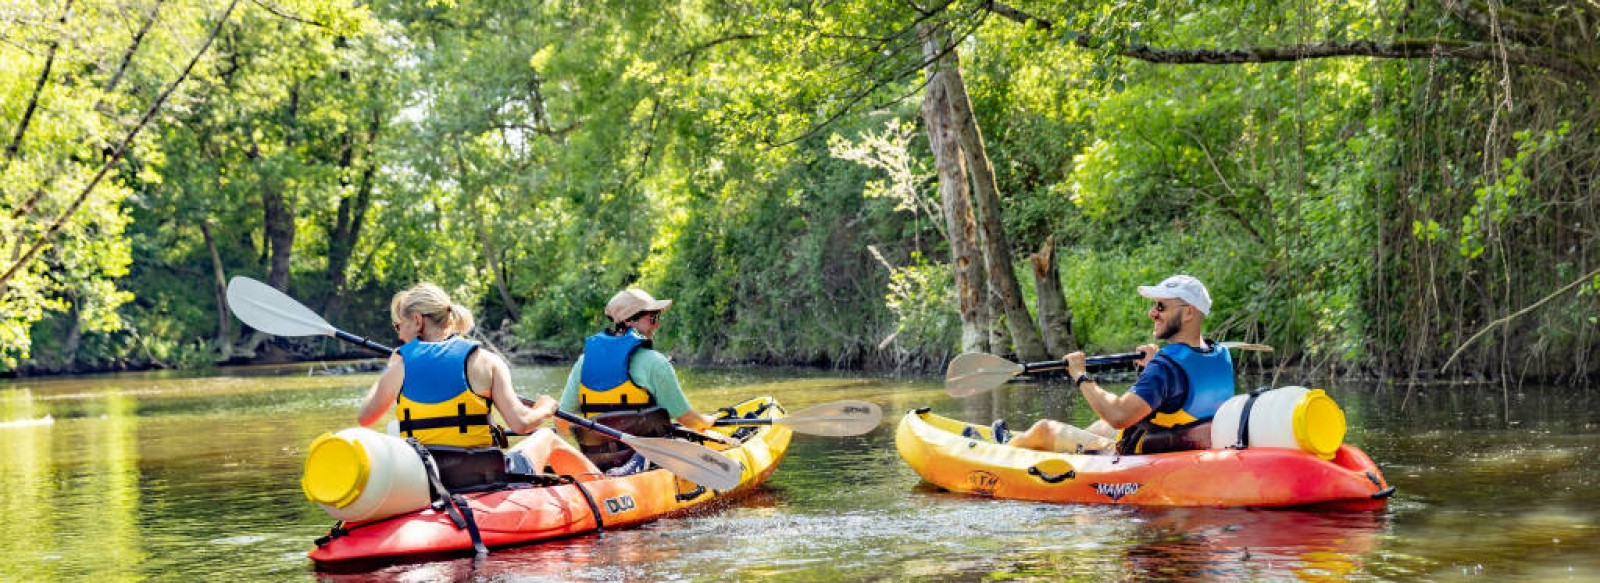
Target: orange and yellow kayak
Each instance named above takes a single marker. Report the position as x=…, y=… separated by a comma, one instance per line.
x=1254, y=477
x=527, y=513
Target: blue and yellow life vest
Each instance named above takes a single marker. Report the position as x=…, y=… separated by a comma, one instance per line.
x=604, y=384
x=607, y=394
x=436, y=404
x=1209, y=379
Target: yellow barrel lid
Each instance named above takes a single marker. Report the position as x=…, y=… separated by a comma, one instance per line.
x=336, y=471
x=1318, y=424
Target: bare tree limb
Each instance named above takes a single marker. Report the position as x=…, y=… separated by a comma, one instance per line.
x=279, y=12
x=1486, y=327
x=1570, y=65
x=543, y=130
x=38, y=89
x=116, y=155
x=138, y=39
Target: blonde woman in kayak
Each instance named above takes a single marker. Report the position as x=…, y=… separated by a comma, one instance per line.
x=1170, y=406
x=445, y=387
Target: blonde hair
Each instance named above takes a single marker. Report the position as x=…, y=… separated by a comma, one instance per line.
x=430, y=302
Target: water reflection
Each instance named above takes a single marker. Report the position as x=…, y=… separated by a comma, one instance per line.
x=1248, y=544
x=196, y=478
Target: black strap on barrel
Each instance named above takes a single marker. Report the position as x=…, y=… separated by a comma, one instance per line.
x=453, y=505
x=1244, y=418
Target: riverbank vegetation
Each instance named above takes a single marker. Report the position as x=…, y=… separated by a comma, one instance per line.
x=1385, y=188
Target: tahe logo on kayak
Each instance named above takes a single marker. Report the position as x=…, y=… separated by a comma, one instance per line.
x=981, y=482
x=719, y=461
x=1116, y=492
x=857, y=409
x=619, y=504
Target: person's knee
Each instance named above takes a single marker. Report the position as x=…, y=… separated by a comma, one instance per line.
x=535, y=445
x=1045, y=426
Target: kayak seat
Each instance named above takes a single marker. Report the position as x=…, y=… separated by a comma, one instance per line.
x=606, y=452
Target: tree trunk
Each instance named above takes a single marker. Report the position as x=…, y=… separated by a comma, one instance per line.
x=953, y=193
x=224, y=342
x=74, y=335
x=491, y=253
x=346, y=231
x=991, y=232
x=1055, y=316
x=279, y=225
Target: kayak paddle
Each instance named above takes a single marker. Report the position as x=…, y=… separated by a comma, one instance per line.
x=265, y=308
x=975, y=372
x=836, y=419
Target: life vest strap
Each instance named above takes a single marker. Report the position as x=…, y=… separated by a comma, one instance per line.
x=461, y=422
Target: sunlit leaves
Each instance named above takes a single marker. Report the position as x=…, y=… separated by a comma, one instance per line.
x=1495, y=196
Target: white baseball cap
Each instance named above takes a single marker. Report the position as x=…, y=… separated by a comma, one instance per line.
x=629, y=302
x=1180, y=287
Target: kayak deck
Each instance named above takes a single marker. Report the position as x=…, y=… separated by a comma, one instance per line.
x=1256, y=477
x=528, y=513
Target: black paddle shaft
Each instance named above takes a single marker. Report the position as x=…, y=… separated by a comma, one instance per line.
x=1108, y=361
x=362, y=342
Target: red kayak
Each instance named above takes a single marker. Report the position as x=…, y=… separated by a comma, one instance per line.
x=528, y=513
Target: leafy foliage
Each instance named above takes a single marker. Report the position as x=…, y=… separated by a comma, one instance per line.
x=750, y=160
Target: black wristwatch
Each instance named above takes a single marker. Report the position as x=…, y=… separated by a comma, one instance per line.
x=1083, y=378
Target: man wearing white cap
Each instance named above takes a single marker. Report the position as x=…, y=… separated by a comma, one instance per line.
x=622, y=382
x=1170, y=406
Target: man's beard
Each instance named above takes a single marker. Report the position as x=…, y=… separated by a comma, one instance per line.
x=1169, y=329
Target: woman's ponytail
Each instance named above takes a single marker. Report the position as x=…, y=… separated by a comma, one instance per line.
x=461, y=320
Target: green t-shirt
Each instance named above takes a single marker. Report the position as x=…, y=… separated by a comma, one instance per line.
x=650, y=370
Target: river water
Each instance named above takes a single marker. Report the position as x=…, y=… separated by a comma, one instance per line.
x=172, y=477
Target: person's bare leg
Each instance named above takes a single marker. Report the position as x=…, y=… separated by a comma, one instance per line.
x=1102, y=429
x=1050, y=435
x=1041, y=437
x=546, y=448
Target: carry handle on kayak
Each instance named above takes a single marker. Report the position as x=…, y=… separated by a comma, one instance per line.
x=265, y=308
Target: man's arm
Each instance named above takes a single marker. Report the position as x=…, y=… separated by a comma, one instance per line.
x=1118, y=411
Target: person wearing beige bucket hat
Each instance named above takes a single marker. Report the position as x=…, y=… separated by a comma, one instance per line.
x=621, y=381
x=1170, y=406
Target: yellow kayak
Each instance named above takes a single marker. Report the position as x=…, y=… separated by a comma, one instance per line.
x=934, y=446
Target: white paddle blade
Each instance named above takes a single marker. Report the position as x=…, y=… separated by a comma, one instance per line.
x=1247, y=346
x=695, y=463
x=974, y=372
x=265, y=308
x=836, y=419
